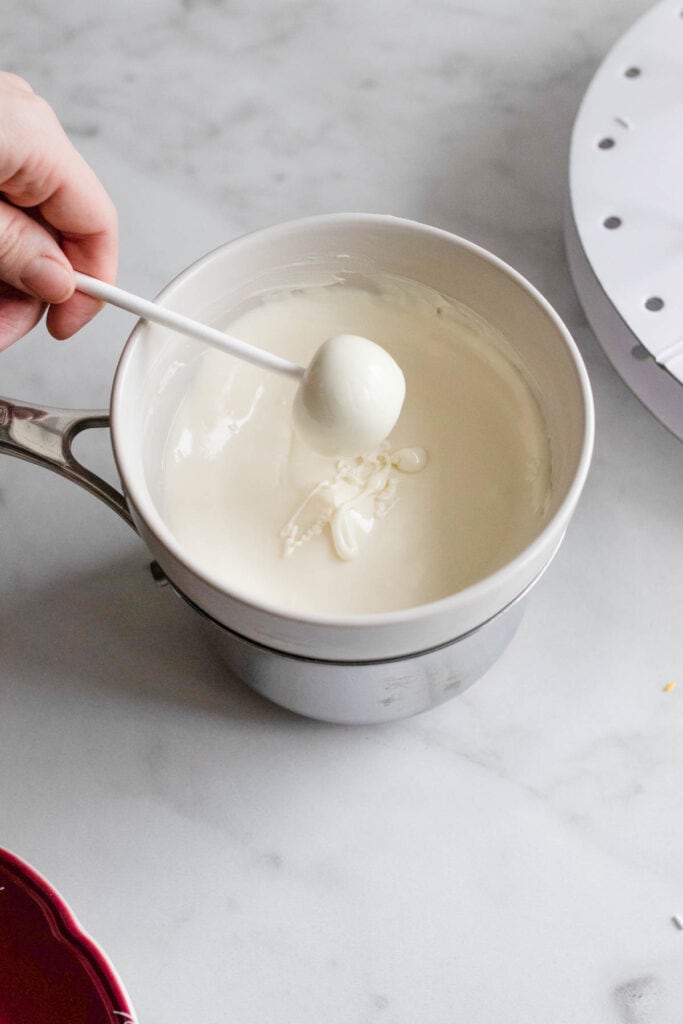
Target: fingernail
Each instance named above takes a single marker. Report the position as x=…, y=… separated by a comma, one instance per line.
x=47, y=279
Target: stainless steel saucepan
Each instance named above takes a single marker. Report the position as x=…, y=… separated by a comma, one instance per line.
x=344, y=668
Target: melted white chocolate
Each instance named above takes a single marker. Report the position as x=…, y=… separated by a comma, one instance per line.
x=362, y=491
x=234, y=470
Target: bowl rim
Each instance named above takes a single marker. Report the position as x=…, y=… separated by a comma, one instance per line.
x=72, y=932
x=476, y=592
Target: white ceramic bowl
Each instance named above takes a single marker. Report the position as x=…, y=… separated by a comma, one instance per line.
x=154, y=369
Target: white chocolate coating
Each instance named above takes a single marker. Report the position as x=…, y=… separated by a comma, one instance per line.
x=350, y=397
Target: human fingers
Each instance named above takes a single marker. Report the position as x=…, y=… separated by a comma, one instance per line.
x=39, y=168
x=31, y=263
x=93, y=254
x=19, y=313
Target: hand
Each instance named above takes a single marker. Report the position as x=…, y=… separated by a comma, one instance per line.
x=55, y=217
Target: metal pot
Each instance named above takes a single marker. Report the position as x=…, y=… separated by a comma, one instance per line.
x=346, y=668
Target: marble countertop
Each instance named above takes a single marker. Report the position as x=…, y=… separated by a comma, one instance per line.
x=512, y=856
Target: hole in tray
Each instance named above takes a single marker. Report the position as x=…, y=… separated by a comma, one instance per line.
x=640, y=353
x=612, y=222
x=632, y=72
x=654, y=303
x=606, y=143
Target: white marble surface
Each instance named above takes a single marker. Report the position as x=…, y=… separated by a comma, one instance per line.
x=513, y=856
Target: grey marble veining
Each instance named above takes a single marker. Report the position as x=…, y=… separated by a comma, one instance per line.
x=513, y=856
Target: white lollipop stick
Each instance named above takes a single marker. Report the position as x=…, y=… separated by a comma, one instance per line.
x=349, y=396
x=185, y=325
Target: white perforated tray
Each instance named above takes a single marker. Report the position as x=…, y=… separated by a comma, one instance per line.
x=624, y=230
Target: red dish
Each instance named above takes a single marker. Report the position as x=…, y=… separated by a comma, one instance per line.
x=51, y=972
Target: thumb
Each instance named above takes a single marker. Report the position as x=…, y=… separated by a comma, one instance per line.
x=30, y=259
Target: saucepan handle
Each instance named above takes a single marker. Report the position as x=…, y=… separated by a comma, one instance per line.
x=44, y=437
